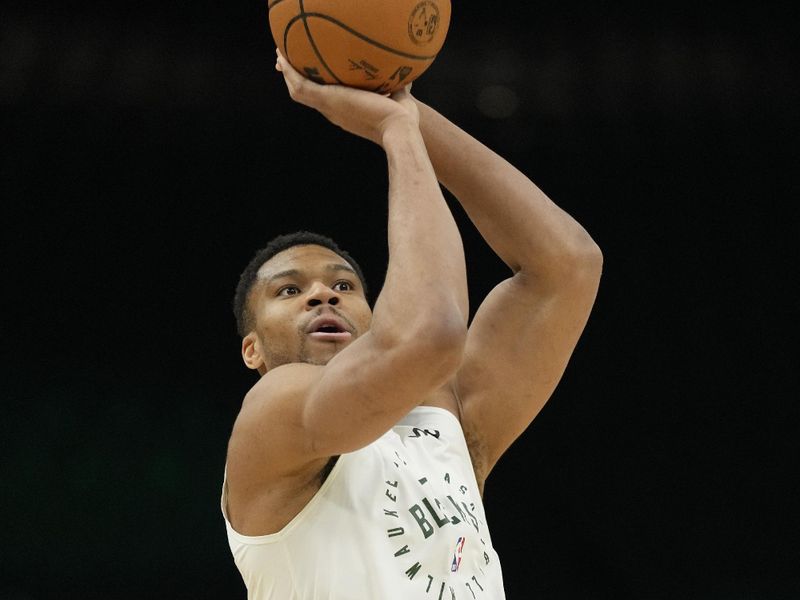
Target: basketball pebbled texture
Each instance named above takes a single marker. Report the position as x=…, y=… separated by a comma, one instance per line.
x=376, y=45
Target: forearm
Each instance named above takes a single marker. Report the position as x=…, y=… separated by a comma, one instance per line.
x=521, y=224
x=426, y=276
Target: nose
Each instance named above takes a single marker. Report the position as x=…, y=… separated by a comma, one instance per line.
x=321, y=294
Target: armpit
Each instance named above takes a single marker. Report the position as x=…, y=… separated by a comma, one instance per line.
x=477, y=453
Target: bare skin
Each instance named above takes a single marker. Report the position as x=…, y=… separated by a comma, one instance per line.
x=325, y=394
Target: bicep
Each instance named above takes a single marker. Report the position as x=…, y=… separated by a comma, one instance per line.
x=299, y=413
x=365, y=389
x=518, y=347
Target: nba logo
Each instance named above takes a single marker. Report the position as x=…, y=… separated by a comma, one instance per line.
x=457, y=555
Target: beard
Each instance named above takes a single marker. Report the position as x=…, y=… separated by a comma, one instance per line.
x=277, y=354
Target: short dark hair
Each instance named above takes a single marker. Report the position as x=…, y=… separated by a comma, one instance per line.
x=244, y=318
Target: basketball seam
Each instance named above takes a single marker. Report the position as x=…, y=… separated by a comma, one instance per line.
x=273, y=3
x=366, y=39
x=304, y=16
x=291, y=22
x=286, y=29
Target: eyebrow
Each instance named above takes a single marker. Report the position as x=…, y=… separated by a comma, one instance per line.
x=333, y=267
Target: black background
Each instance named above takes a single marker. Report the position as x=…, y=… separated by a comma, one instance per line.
x=148, y=149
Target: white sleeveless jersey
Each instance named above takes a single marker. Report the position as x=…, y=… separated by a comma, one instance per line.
x=400, y=519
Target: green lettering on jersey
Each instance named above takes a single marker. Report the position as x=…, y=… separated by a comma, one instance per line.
x=419, y=517
x=440, y=522
x=395, y=531
x=403, y=550
x=472, y=517
x=389, y=495
x=412, y=570
x=454, y=519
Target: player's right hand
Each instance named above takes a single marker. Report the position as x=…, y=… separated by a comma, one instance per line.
x=365, y=114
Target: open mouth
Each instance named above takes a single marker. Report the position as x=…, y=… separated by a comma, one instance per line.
x=329, y=330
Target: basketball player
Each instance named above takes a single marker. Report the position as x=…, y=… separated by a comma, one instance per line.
x=357, y=465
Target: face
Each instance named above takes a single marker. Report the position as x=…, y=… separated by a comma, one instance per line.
x=308, y=304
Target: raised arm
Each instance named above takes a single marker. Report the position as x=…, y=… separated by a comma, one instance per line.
x=525, y=331
x=299, y=414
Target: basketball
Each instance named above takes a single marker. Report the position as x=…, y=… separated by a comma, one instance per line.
x=376, y=45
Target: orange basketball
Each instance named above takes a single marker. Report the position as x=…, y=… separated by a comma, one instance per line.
x=377, y=45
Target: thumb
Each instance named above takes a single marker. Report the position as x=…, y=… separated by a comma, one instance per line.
x=402, y=94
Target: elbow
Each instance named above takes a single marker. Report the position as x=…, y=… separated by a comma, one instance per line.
x=444, y=337
x=590, y=259
x=582, y=256
x=567, y=255
x=438, y=332
x=431, y=343
x=577, y=266
x=438, y=349
x=585, y=271
x=584, y=266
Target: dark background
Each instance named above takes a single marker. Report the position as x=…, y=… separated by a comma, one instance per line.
x=148, y=149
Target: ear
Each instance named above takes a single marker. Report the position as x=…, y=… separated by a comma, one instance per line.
x=251, y=352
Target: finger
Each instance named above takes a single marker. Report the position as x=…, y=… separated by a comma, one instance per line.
x=287, y=67
x=291, y=74
x=282, y=64
x=402, y=93
x=293, y=79
x=406, y=89
x=301, y=89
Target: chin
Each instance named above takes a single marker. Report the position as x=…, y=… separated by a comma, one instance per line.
x=315, y=352
x=322, y=358
x=318, y=360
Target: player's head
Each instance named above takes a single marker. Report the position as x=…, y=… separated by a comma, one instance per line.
x=301, y=298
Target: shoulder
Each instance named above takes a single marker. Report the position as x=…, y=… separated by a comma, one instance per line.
x=286, y=379
x=268, y=429
x=279, y=390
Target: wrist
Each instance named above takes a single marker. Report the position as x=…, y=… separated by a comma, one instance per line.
x=397, y=129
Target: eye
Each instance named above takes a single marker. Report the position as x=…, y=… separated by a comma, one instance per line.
x=289, y=290
x=343, y=286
